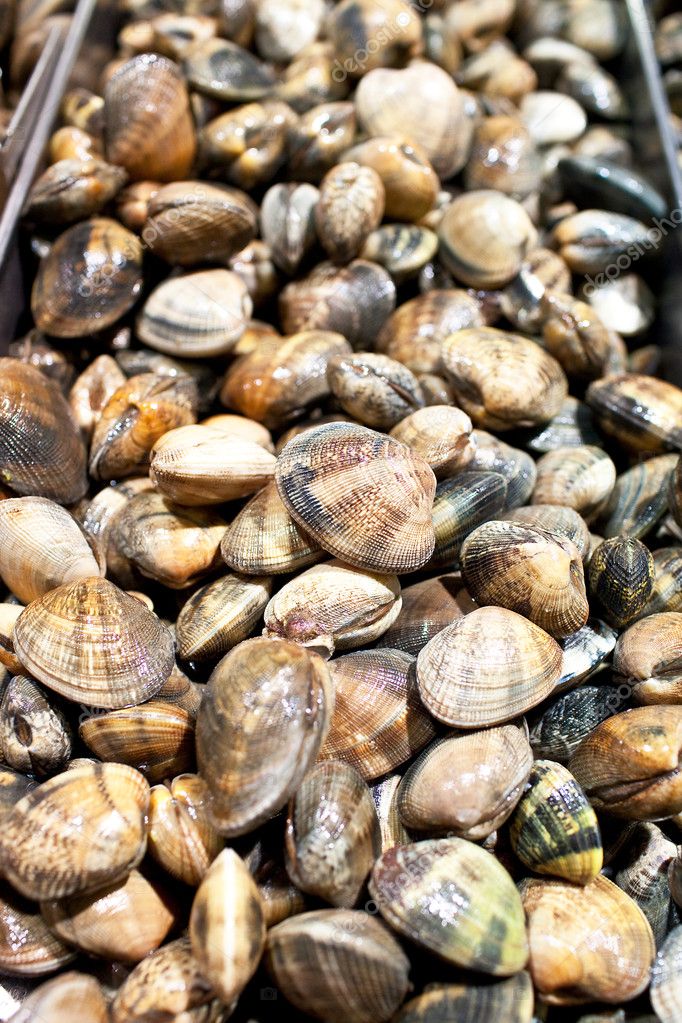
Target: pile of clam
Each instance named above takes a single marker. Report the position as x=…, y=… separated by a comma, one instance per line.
x=341, y=531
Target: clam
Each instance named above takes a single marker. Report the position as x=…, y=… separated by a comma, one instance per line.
x=9, y=614
x=173, y=544
x=565, y=522
x=521, y=300
x=591, y=240
x=333, y=607
x=247, y=145
x=467, y=784
x=281, y=898
x=28, y=948
x=317, y=140
x=641, y=412
x=332, y=835
x=70, y=143
x=190, y=222
x=366, y=37
x=35, y=736
x=527, y=569
x=355, y=300
x=484, y=238
x=384, y=794
x=166, y=983
x=503, y=157
x=136, y=415
x=552, y=117
x=584, y=651
x=309, y=82
x=665, y=979
x=401, y=102
x=287, y=218
x=280, y=377
x=589, y=944
x=132, y=203
x=594, y=180
x=427, y=607
x=199, y=315
x=196, y=465
x=580, y=478
x=13, y=787
x=76, y=832
x=469, y=685
x=648, y=657
x=226, y=927
x=564, y=724
x=92, y=390
x=338, y=963
x=456, y=900
x=255, y=268
x=157, y=738
x=41, y=547
x=227, y=71
x=644, y=876
x=498, y=72
x=241, y=428
x=517, y=467
x=576, y=337
x=263, y=538
x=284, y=29
x=510, y=1000
x=124, y=921
x=403, y=250
x=148, y=124
x=502, y=380
x=639, y=498
x=629, y=764
x=441, y=435
x=374, y=389
x=180, y=691
x=220, y=615
x=378, y=721
x=624, y=304
x=554, y=829
x=181, y=837
x=260, y=726
x=621, y=578
x=410, y=182
x=176, y=34
x=415, y=332
x=72, y=190
x=666, y=594
x=377, y=496
x=460, y=505
x=349, y=207
x=91, y=276
x=675, y=492
x=55, y=999
x=98, y=518
x=90, y=642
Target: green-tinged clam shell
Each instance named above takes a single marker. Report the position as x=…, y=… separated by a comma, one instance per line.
x=639, y=498
x=621, y=578
x=461, y=504
x=455, y=899
x=554, y=829
x=666, y=979
x=509, y=1000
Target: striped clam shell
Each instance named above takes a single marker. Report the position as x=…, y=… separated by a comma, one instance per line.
x=621, y=578
x=219, y=615
x=28, y=948
x=510, y=1000
x=648, y=656
x=642, y=413
x=666, y=985
x=639, y=498
x=518, y=468
x=427, y=608
x=460, y=505
x=555, y=518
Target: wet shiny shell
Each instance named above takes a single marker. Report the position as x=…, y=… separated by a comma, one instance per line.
x=503, y=158
x=264, y=539
x=55, y=999
x=484, y=238
x=199, y=315
x=351, y=204
x=571, y=427
x=91, y=391
x=503, y=381
x=554, y=829
x=648, y=657
x=376, y=390
x=378, y=721
x=410, y=182
x=460, y=505
x=77, y=831
x=589, y=944
x=466, y=784
x=332, y=834
x=157, y=738
x=362, y=496
x=148, y=124
x=28, y=948
x=645, y=874
x=441, y=435
x=639, y=498
x=584, y=651
x=529, y=570
x=641, y=412
x=259, y=729
x=222, y=69
x=564, y=724
x=621, y=578
x=73, y=190
x=510, y=1000
x=577, y=338
x=91, y=276
x=665, y=979
x=166, y=983
x=455, y=899
x=35, y=736
x=403, y=250
x=287, y=218
x=124, y=921
x=666, y=594
x=220, y=615
x=590, y=240
x=467, y=684
x=338, y=963
x=41, y=547
x=181, y=837
x=91, y=642
x=581, y=478
x=518, y=468
x=415, y=332
x=629, y=764
x=427, y=607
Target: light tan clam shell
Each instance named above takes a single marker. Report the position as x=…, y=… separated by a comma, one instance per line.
x=384, y=794
x=415, y=332
x=92, y=390
x=648, y=657
x=181, y=837
x=55, y=999
x=220, y=615
x=427, y=608
x=581, y=478
x=441, y=434
x=157, y=738
x=28, y=948
x=665, y=979
x=350, y=206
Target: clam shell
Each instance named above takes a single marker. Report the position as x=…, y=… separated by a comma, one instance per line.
x=648, y=656
x=41, y=453
x=362, y=496
x=157, y=738
x=219, y=616
x=75, y=832
x=639, y=498
x=410, y=182
x=503, y=157
x=72, y=190
x=621, y=578
x=584, y=651
x=529, y=570
x=375, y=390
x=350, y=206
x=415, y=332
x=589, y=944
x=403, y=250
x=338, y=963
x=577, y=338
x=666, y=594
x=441, y=435
x=518, y=468
x=35, y=736
x=665, y=979
x=641, y=412
x=571, y=427
x=287, y=218
x=55, y=999
x=384, y=794
x=454, y=899
x=319, y=138
x=148, y=123
x=467, y=685
x=581, y=478
x=92, y=390
x=466, y=785
x=590, y=240
x=427, y=608
x=247, y=145
x=190, y=222
x=28, y=948
x=167, y=983
x=564, y=724
x=559, y=519
x=259, y=729
x=332, y=835
x=359, y=26
x=93, y=643
x=281, y=898
x=510, y=1000
x=378, y=721
x=460, y=505
x=181, y=837
x=13, y=787
x=227, y=71
x=644, y=876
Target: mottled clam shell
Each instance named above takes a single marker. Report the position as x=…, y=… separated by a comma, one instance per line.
x=571, y=427
x=592, y=239
x=648, y=656
x=362, y=496
x=338, y=963
x=247, y=145
x=510, y=1000
x=378, y=721
x=167, y=983
x=453, y=898
x=521, y=299
x=98, y=518
x=577, y=338
x=467, y=685
x=220, y=615
x=157, y=738
x=621, y=578
x=28, y=948
x=427, y=608
x=529, y=570
x=584, y=651
x=372, y=388
x=581, y=478
x=642, y=413
x=644, y=876
x=564, y=724
x=441, y=435
x=77, y=831
x=639, y=498
x=460, y=505
x=350, y=206
x=518, y=468
x=415, y=332
x=666, y=997
x=13, y=787
x=181, y=837
x=565, y=522
x=384, y=794
x=35, y=736
x=410, y=182
x=226, y=71
x=503, y=157
x=403, y=250
x=72, y=190
x=260, y=726
x=91, y=642
x=466, y=785
x=502, y=380
x=92, y=390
